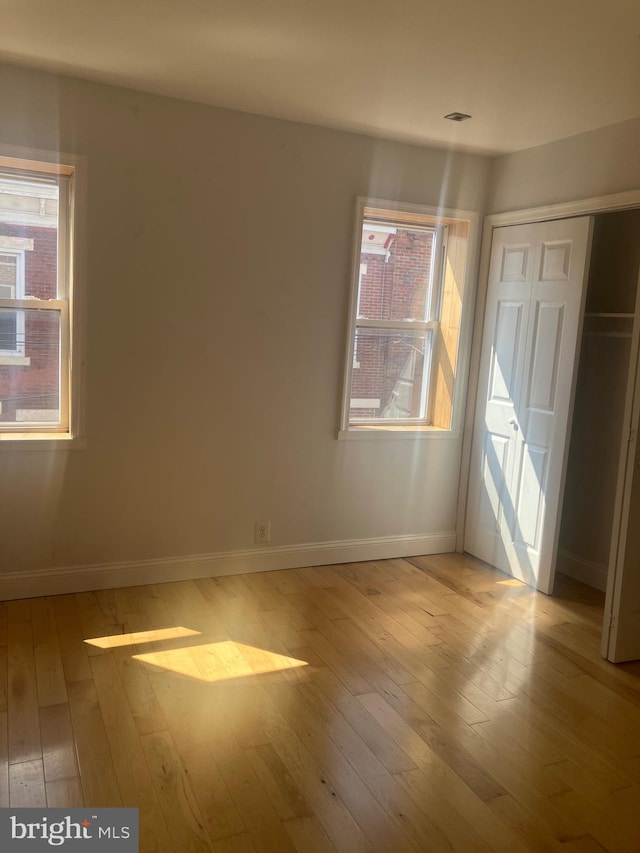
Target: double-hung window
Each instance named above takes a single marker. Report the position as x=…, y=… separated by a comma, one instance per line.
x=409, y=269
x=35, y=299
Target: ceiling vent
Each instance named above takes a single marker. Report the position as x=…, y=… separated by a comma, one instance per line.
x=457, y=116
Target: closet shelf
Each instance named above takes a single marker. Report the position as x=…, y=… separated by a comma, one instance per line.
x=609, y=314
x=593, y=334
x=608, y=324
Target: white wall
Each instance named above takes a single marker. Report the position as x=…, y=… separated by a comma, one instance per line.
x=218, y=251
x=591, y=164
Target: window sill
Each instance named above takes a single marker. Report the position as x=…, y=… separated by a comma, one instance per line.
x=40, y=441
x=14, y=361
x=415, y=433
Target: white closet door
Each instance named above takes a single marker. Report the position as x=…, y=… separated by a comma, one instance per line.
x=533, y=317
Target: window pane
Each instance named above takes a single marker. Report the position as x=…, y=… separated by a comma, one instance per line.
x=30, y=387
x=8, y=330
x=29, y=233
x=9, y=320
x=390, y=373
x=8, y=271
x=395, y=273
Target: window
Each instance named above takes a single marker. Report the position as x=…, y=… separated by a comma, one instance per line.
x=35, y=299
x=409, y=268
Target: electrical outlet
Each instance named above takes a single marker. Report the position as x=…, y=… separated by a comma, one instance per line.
x=263, y=532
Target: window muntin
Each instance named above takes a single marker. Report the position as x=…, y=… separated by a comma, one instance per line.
x=35, y=328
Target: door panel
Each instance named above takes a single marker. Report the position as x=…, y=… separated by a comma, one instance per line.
x=515, y=262
x=555, y=261
x=547, y=346
x=494, y=476
x=527, y=371
x=531, y=489
x=505, y=351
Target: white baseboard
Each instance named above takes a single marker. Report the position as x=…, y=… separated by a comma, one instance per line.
x=56, y=581
x=585, y=571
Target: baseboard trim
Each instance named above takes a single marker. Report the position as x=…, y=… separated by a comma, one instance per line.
x=57, y=581
x=585, y=571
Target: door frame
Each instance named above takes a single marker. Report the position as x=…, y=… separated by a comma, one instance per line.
x=612, y=203
x=610, y=646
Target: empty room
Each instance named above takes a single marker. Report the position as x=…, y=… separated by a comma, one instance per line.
x=319, y=403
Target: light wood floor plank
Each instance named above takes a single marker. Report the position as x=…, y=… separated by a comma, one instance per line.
x=18, y=611
x=376, y=651
x=73, y=650
x=326, y=688
x=22, y=693
x=221, y=815
x=173, y=789
x=235, y=844
x=333, y=809
x=99, y=782
x=277, y=783
x=4, y=619
x=308, y=835
x=65, y=793
x=219, y=810
x=26, y=785
x=143, y=704
x=220, y=723
x=130, y=765
x=413, y=820
x=48, y=660
x=4, y=760
x=58, y=744
x=4, y=675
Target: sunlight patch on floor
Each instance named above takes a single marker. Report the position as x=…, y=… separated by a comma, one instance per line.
x=219, y=661
x=118, y=640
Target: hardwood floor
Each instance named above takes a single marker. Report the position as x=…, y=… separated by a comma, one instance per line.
x=422, y=704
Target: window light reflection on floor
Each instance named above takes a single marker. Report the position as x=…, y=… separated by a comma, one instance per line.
x=221, y=660
x=137, y=637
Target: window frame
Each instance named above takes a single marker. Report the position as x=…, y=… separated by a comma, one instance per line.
x=63, y=170
x=429, y=326
x=407, y=215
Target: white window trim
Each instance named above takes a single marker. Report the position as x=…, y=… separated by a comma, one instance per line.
x=71, y=170
x=388, y=430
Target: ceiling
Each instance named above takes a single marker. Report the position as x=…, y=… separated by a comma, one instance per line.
x=529, y=71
